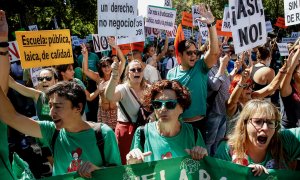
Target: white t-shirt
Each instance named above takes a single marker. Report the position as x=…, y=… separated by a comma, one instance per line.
x=151, y=74
x=129, y=103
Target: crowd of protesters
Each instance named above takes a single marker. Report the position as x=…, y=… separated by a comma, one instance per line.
x=242, y=108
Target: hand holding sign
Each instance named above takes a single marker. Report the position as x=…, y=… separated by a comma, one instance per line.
x=84, y=51
x=3, y=25
x=206, y=15
x=112, y=42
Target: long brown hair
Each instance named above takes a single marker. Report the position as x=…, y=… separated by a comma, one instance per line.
x=237, y=140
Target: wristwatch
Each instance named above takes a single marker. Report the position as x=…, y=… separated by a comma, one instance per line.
x=4, y=44
x=3, y=53
x=212, y=24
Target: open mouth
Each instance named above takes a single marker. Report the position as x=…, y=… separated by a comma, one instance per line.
x=262, y=139
x=57, y=121
x=137, y=77
x=45, y=86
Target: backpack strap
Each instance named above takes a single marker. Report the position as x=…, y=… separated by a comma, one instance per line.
x=142, y=137
x=100, y=140
x=54, y=137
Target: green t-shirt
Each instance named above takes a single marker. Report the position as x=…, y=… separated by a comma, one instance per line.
x=5, y=166
x=166, y=147
x=195, y=79
x=290, y=139
x=72, y=149
x=93, y=60
x=42, y=108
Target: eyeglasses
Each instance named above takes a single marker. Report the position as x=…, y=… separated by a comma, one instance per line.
x=259, y=122
x=48, y=78
x=189, y=53
x=136, y=70
x=169, y=104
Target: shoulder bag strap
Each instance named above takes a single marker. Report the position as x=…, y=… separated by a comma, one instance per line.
x=134, y=95
x=125, y=112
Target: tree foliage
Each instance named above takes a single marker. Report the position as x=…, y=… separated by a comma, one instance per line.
x=80, y=16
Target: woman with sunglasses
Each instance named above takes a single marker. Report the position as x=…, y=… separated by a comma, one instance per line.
x=257, y=140
x=167, y=137
x=128, y=95
x=107, y=110
x=47, y=78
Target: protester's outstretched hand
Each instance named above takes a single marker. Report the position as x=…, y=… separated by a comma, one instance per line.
x=258, y=169
x=3, y=25
x=115, y=68
x=112, y=42
x=136, y=156
x=84, y=51
x=245, y=76
x=86, y=168
x=206, y=15
x=197, y=152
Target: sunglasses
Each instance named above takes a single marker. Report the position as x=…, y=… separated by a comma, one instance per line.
x=136, y=70
x=105, y=65
x=189, y=53
x=169, y=104
x=48, y=78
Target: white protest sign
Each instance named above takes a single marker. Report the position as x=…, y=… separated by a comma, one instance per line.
x=248, y=24
x=289, y=40
x=291, y=12
x=226, y=20
x=203, y=29
x=195, y=14
x=150, y=32
x=33, y=28
x=139, y=33
x=160, y=18
x=34, y=74
x=117, y=17
x=100, y=43
x=168, y=3
x=269, y=27
x=13, y=50
x=283, y=49
x=143, y=4
x=172, y=34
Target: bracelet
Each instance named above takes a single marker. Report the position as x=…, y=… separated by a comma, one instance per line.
x=212, y=24
x=4, y=44
x=242, y=85
x=3, y=53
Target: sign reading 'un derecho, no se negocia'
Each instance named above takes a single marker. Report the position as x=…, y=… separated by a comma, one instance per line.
x=44, y=48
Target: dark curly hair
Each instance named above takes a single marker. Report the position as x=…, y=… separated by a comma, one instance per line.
x=71, y=91
x=182, y=93
x=185, y=44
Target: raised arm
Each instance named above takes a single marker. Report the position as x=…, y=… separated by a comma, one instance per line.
x=207, y=17
x=111, y=42
x=164, y=51
x=4, y=60
x=286, y=88
x=25, y=91
x=89, y=73
x=232, y=103
x=17, y=121
x=110, y=92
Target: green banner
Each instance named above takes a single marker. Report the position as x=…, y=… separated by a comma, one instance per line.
x=183, y=168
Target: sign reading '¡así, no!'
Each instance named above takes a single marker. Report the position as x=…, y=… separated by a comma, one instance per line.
x=248, y=24
x=44, y=48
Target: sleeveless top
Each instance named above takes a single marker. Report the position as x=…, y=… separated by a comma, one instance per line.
x=256, y=86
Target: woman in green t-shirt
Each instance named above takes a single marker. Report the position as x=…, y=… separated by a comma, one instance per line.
x=257, y=140
x=167, y=137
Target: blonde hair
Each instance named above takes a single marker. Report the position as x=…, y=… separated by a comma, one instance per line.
x=237, y=139
x=126, y=77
